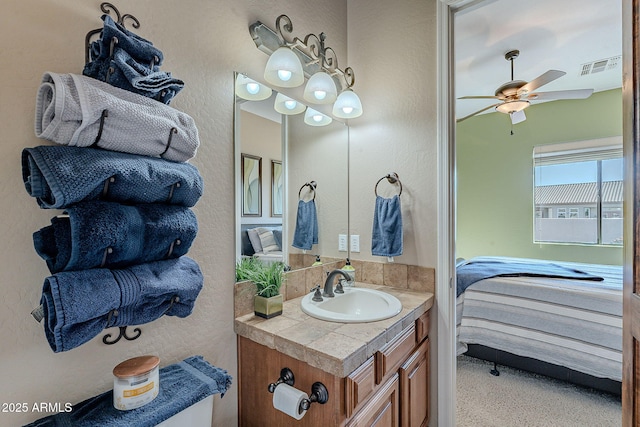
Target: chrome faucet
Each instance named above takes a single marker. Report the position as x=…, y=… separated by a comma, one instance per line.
x=328, y=284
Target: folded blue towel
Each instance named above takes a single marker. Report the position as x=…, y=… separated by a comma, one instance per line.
x=181, y=385
x=386, y=237
x=306, y=231
x=60, y=176
x=134, y=64
x=80, y=111
x=78, y=305
x=112, y=235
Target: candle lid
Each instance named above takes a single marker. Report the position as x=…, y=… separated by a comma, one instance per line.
x=136, y=366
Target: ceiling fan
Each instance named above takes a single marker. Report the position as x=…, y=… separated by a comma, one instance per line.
x=516, y=95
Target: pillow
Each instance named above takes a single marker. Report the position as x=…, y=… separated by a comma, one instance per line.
x=267, y=240
x=254, y=238
x=277, y=234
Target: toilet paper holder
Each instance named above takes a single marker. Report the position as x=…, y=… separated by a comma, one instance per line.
x=319, y=392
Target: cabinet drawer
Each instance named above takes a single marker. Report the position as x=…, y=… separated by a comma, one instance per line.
x=359, y=386
x=389, y=358
x=422, y=327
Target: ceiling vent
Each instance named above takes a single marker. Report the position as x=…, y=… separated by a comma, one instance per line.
x=600, y=66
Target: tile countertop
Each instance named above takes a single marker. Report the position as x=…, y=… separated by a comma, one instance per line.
x=336, y=348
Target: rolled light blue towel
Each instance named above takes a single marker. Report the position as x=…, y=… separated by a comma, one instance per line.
x=78, y=305
x=70, y=110
x=60, y=176
x=387, y=227
x=181, y=385
x=134, y=64
x=306, y=231
x=112, y=235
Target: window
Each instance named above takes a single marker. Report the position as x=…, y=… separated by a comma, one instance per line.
x=577, y=178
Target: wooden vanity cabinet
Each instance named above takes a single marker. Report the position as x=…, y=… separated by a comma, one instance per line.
x=390, y=389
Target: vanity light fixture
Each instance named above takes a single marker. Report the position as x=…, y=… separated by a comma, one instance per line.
x=319, y=64
x=285, y=105
x=250, y=89
x=316, y=118
x=284, y=68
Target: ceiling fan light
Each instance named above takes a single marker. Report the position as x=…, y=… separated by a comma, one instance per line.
x=284, y=69
x=285, y=105
x=320, y=89
x=348, y=105
x=250, y=89
x=512, y=106
x=316, y=118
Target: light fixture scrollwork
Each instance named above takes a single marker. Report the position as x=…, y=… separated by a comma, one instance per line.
x=327, y=84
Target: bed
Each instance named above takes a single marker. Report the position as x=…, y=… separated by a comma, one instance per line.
x=572, y=326
x=262, y=241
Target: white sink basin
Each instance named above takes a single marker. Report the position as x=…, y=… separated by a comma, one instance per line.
x=356, y=305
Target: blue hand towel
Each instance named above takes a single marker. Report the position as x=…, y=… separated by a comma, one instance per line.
x=70, y=110
x=181, y=385
x=78, y=304
x=60, y=176
x=111, y=235
x=387, y=227
x=134, y=65
x=306, y=231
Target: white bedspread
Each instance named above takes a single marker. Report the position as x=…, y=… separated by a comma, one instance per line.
x=572, y=323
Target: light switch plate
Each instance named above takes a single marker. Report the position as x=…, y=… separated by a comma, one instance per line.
x=355, y=243
x=342, y=242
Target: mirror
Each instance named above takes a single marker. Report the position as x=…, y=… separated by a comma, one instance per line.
x=291, y=154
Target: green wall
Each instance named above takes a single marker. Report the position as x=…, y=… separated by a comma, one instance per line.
x=495, y=176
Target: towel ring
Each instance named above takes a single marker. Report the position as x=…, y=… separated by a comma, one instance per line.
x=392, y=178
x=312, y=187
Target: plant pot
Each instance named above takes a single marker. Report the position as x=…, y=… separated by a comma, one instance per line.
x=267, y=307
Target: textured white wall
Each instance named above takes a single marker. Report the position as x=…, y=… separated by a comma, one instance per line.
x=203, y=43
x=392, y=48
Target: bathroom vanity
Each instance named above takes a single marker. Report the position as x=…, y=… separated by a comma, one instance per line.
x=376, y=373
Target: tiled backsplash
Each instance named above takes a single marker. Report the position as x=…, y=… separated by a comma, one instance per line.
x=300, y=280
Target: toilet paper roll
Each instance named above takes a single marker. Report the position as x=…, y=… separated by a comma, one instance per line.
x=287, y=399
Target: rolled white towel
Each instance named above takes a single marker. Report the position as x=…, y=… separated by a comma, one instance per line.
x=69, y=110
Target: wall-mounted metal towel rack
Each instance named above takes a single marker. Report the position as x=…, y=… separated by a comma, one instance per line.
x=120, y=19
x=312, y=188
x=393, y=179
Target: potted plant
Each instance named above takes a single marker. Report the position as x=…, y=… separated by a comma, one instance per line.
x=268, y=279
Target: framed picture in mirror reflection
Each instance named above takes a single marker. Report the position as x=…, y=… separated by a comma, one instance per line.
x=277, y=198
x=251, y=185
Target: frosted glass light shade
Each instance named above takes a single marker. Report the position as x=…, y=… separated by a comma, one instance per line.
x=512, y=106
x=285, y=105
x=284, y=69
x=251, y=90
x=320, y=89
x=316, y=118
x=348, y=105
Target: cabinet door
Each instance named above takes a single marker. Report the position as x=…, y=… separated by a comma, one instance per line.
x=383, y=408
x=414, y=386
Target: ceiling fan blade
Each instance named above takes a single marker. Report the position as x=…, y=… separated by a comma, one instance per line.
x=561, y=94
x=517, y=117
x=479, y=97
x=541, y=80
x=478, y=112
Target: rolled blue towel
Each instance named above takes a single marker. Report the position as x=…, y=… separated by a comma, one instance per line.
x=386, y=237
x=78, y=305
x=306, y=231
x=70, y=110
x=181, y=385
x=112, y=235
x=134, y=64
x=60, y=176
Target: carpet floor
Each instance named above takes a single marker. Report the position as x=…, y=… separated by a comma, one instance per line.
x=519, y=399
